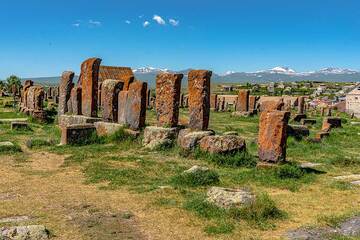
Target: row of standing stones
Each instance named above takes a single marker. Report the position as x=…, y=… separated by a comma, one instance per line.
x=124, y=99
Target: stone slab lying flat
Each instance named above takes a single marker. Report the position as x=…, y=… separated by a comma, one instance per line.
x=13, y=120
x=309, y=165
x=14, y=219
x=67, y=120
x=348, y=177
x=19, y=125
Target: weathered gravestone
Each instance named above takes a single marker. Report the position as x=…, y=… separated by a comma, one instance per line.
x=109, y=99
x=75, y=98
x=214, y=102
x=242, y=104
x=168, y=86
x=64, y=91
x=199, y=99
x=132, y=106
x=272, y=136
x=89, y=84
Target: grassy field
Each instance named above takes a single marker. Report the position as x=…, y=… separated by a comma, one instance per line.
x=52, y=184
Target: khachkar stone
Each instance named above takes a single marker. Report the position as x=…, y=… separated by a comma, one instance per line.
x=136, y=105
x=272, y=136
x=89, y=86
x=109, y=99
x=75, y=98
x=123, y=95
x=301, y=106
x=66, y=84
x=199, y=99
x=27, y=85
x=39, y=95
x=213, y=102
x=30, y=101
x=168, y=86
x=252, y=103
x=242, y=104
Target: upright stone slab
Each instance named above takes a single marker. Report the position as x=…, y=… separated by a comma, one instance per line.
x=301, y=106
x=89, y=84
x=330, y=123
x=31, y=97
x=136, y=105
x=168, y=87
x=39, y=95
x=213, y=102
x=252, y=103
x=272, y=136
x=109, y=99
x=242, y=104
x=76, y=100
x=65, y=91
x=122, y=100
x=199, y=99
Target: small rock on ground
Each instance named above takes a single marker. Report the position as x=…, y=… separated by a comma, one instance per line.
x=14, y=219
x=32, y=232
x=226, y=197
x=196, y=168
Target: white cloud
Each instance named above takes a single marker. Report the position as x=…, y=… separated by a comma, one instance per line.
x=128, y=22
x=141, y=16
x=146, y=23
x=76, y=25
x=174, y=22
x=94, y=23
x=159, y=20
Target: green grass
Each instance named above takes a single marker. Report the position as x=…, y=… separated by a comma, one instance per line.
x=261, y=213
x=195, y=179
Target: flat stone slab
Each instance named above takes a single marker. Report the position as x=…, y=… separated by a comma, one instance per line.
x=348, y=177
x=76, y=134
x=13, y=120
x=348, y=228
x=196, y=168
x=356, y=182
x=67, y=120
x=355, y=123
x=6, y=144
x=309, y=165
x=227, y=197
x=32, y=232
x=14, y=219
x=19, y=125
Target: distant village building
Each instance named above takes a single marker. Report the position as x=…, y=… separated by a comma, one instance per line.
x=353, y=101
x=227, y=88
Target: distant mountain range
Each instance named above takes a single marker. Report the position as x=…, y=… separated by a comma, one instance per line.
x=277, y=74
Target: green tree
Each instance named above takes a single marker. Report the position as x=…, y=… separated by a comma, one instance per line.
x=12, y=80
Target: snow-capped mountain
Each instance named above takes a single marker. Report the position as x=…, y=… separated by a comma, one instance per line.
x=331, y=70
x=276, y=74
x=281, y=70
x=149, y=70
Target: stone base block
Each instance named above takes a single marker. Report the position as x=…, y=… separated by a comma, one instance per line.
x=67, y=120
x=320, y=135
x=298, y=131
x=158, y=136
x=19, y=125
x=222, y=144
x=299, y=117
x=76, y=134
x=306, y=121
x=330, y=123
x=39, y=115
x=106, y=128
x=189, y=140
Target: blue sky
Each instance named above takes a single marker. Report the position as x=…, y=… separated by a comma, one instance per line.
x=46, y=37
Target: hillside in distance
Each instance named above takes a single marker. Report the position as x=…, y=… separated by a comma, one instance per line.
x=277, y=74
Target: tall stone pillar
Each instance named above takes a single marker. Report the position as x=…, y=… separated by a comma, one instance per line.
x=199, y=99
x=89, y=84
x=168, y=86
x=109, y=99
x=66, y=83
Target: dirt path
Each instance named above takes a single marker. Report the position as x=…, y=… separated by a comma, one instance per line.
x=50, y=194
